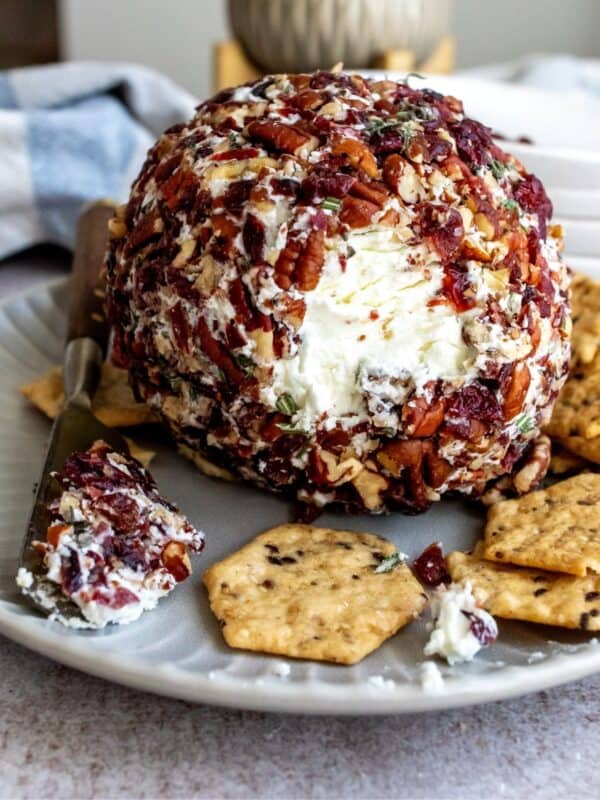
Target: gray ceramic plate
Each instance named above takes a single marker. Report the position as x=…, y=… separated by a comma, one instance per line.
x=178, y=650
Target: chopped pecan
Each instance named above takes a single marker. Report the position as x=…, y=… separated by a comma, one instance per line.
x=176, y=560
x=373, y=192
x=180, y=189
x=253, y=236
x=359, y=155
x=285, y=138
x=396, y=456
x=529, y=474
x=218, y=354
x=534, y=470
x=370, y=485
x=357, y=213
x=148, y=229
x=437, y=469
x=424, y=418
x=516, y=391
x=393, y=168
x=225, y=232
x=301, y=262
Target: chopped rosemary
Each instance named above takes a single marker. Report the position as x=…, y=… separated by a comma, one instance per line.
x=289, y=427
x=524, y=423
x=406, y=79
x=331, y=204
x=497, y=167
x=286, y=404
x=79, y=527
x=245, y=363
x=389, y=562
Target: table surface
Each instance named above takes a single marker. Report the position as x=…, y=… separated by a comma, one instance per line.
x=65, y=734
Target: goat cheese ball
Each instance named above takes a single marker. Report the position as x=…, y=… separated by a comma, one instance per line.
x=342, y=290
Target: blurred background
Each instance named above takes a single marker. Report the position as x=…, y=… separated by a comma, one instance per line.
x=177, y=37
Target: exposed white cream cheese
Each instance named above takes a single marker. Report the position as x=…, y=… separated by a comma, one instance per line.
x=371, y=319
x=453, y=609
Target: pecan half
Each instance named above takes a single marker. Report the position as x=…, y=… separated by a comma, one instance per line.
x=373, y=192
x=301, y=262
x=359, y=155
x=284, y=138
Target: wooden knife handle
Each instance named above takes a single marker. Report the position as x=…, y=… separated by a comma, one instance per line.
x=86, y=313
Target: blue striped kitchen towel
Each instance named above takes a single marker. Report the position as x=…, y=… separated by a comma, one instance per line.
x=70, y=133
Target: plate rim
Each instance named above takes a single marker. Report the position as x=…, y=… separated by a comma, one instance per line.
x=275, y=693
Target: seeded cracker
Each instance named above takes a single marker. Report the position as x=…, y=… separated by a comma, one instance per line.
x=585, y=302
x=563, y=462
x=577, y=410
x=586, y=448
x=556, y=529
x=114, y=403
x=530, y=595
x=314, y=593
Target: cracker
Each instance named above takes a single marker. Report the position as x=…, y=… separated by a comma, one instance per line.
x=314, y=593
x=143, y=455
x=204, y=465
x=586, y=448
x=556, y=529
x=530, y=595
x=585, y=312
x=563, y=462
x=114, y=403
x=577, y=409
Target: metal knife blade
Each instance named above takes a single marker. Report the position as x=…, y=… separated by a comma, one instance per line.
x=75, y=428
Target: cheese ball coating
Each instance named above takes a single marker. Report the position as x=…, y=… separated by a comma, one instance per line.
x=342, y=290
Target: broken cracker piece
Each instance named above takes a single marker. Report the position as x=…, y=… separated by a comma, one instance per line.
x=580, y=446
x=577, y=410
x=585, y=313
x=563, y=462
x=315, y=593
x=113, y=404
x=204, y=465
x=528, y=594
x=556, y=529
x=142, y=454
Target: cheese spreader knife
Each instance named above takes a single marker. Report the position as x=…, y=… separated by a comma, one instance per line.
x=75, y=428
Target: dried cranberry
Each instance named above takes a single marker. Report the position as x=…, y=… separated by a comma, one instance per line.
x=484, y=630
x=473, y=141
x=121, y=511
x=72, y=578
x=236, y=196
x=431, y=567
x=181, y=329
x=455, y=284
x=286, y=186
x=390, y=140
x=253, y=236
x=531, y=195
x=443, y=225
x=438, y=149
x=475, y=401
x=317, y=187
